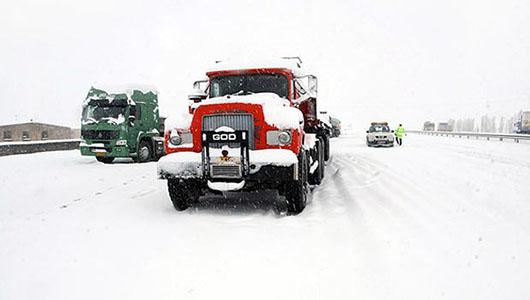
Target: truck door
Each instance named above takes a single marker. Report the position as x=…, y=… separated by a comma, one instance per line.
x=135, y=127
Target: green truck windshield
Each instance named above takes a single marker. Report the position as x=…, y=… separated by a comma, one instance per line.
x=96, y=113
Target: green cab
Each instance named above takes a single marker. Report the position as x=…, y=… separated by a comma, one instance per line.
x=122, y=123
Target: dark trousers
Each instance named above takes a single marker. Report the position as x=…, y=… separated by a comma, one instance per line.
x=399, y=140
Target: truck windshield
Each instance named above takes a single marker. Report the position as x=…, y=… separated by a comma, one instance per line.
x=249, y=84
x=379, y=128
x=97, y=113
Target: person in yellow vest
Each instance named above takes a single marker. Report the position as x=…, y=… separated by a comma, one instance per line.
x=399, y=132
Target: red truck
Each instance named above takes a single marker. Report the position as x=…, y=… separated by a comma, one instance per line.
x=251, y=127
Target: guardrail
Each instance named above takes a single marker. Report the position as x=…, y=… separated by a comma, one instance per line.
x=477, y=135
x=10, y=148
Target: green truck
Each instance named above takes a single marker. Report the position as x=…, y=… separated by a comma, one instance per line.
x=121, y=122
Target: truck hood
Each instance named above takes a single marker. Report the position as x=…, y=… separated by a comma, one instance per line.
x=268, y=107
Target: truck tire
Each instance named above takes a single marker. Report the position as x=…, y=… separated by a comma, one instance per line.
x=105, y=160
x=318, y=174
x=145, y=152
x=327, y=148
x=183, y=192
x=295, y=191
x=323, y=169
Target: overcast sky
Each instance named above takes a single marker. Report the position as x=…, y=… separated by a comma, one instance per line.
x=402, y=61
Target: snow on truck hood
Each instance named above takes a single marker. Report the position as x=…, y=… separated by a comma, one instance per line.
x=277, y=111
x=181, y=121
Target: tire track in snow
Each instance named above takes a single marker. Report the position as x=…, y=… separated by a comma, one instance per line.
x=345, y=201
x=387, y=195
x=376, y=193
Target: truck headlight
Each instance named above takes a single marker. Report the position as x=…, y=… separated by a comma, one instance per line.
x=284, y=138
x=121, y=142
x=278, y=138
x=175, y=139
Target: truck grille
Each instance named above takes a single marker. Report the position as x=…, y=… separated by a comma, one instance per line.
x=235, y=121
x=226, y=171
x=100, y=134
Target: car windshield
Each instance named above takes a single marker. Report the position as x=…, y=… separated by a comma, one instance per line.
x=96, y=113
x=249, y=84
x=379, y=128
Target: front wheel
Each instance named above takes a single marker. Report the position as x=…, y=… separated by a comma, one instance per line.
x=144, y=152
x=295, y=191
x=183, y=192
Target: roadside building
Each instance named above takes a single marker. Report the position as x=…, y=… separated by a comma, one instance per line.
x=33, y=131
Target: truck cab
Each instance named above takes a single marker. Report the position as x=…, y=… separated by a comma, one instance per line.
x=445, y=126
x=251, y=127
x=123, y=123
x=522, y=125
x=428, y=126
x=336, y=126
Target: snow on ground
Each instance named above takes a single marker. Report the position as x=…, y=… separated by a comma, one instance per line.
x=436, y=218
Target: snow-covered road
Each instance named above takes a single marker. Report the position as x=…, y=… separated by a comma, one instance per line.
x=436, y=218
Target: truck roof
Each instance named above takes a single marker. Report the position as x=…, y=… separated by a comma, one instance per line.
x=292, y=64
x=128, y=88
x=134, y=92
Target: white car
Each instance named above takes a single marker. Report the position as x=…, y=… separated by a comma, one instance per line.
x=379, y=134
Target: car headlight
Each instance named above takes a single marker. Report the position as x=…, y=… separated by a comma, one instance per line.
x=121, y=142
x=175, y=139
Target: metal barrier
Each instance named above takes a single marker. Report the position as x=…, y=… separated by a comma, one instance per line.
x=10, y=148
x=500, y=136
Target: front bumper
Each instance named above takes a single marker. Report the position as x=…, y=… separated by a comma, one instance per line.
x=107, y=149
x=268, y=165
x=381, y=143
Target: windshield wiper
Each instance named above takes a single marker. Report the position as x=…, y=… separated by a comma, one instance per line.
x=241, y=93
x=91, y=120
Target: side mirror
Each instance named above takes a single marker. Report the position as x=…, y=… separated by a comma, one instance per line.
x=392, y=131
x=367, y=131
x=197, y=95
x=313, y=85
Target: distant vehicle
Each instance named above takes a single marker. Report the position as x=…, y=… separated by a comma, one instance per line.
x=123, y=123
x=332, y=124
x=444, y=127
x=523, y=123
x=379, y=134
x=428, y=126
x=336, y=127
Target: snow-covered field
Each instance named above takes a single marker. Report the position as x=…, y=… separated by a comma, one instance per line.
x=436, y=218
